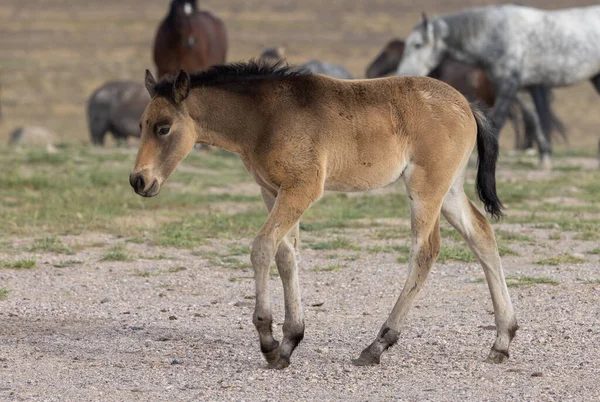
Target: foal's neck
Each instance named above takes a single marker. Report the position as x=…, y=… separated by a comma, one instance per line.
x=225, y=119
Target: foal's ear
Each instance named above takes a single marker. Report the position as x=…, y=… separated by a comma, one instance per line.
x=150, y=83
x=181, y=87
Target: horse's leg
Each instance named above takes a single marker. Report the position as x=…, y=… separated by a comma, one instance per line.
x=425, y=208
x=285, y=213
x=596, y=81
x=506, y=92
x=543, y=122
x=479, y=235
x=293, y=326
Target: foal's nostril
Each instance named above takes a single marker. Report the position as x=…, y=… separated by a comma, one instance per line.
x=140, y=183
x=137, y=182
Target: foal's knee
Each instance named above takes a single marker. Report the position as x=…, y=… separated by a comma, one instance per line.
x=262, y=251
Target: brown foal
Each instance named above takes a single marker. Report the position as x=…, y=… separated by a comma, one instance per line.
x=300, y=134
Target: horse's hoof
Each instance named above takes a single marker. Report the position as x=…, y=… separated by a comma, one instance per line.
x=366, y=359
x=497, y=357
x=545, y=163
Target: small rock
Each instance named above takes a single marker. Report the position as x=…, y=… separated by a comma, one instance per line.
x=105, y=300
x=317, y=304
x=172, y=317
x=175, y=361
x=134, y=328
x=243, y=304
x=537, y=374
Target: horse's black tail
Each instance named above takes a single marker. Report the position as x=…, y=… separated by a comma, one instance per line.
x=487, y=148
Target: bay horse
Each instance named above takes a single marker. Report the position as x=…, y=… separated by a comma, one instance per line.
x=116, y=107
x=474, y=85
x=189, y=39
x=517, y=47
x=300, y=134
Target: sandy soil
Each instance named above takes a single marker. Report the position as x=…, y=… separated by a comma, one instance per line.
x=150, y=330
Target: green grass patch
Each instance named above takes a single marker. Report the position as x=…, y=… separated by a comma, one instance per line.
x=328, y=268
x=50, y=244
x=146, y=274
x=173, y=270
x=594, y=251
x=233, y=263
x=504, y=250
x=564, y=258
x=455, y=253
x=336, y=244
x=19, y=264
x=117, y=253
x=243, y=250
x=511, y=236
x=67, y=263
x=516, y=281
x=3, y=293
x=388, y=249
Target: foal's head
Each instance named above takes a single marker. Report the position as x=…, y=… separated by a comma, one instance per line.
x=424, y=49
x=387, y=61
x=168, y=134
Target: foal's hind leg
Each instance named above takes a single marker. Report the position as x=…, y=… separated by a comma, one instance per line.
x=424, y=250
x=479, y=235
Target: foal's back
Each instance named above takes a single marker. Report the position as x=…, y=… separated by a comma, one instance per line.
x=366, y=131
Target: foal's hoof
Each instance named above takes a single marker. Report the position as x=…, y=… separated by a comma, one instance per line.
x=280, y=364
x=366, y=359
x=272, y=356
x=497, y=357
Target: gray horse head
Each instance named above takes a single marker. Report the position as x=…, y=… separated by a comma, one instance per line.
x=424, y=49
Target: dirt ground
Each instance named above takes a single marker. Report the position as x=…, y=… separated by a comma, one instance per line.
x=103, y=331
x=112, y=312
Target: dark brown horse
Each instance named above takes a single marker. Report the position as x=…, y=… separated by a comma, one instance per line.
x=189, y=39
x=473, y=84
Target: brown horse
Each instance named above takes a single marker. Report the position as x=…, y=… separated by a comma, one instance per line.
x=474, y=85
x=189, y=39
x=300, y=134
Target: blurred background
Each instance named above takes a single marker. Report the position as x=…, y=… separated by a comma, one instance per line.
x=54, y=53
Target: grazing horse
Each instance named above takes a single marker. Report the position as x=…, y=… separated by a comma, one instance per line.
x=273, y=55
x=116, y=107
x=300, y=134
x=517, y=47
x=474, y=85
x=189, y=39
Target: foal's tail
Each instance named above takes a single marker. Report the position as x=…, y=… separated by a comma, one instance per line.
x=487, y=148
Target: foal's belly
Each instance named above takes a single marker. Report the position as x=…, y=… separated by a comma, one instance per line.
x=363, y=175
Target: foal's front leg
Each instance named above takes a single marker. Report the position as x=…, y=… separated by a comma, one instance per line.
x=285, y=211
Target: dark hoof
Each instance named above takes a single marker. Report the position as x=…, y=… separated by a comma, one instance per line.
x=366, y=359
x=279, y=365
x=497, y=357
x=272, y=356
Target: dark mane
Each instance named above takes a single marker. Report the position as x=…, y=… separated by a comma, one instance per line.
x=235, y=76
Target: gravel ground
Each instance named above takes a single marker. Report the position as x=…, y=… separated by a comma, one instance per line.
x=102, y=331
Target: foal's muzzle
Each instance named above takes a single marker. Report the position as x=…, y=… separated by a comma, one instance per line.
x=143, y=186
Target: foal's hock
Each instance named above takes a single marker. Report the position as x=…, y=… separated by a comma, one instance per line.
x=299, y=134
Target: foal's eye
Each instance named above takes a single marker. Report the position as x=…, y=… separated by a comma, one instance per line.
x=162, y=130
x=418, y=45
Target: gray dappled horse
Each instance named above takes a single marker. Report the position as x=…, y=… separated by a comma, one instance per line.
x=273, y=55
x=116, y=107
x=518, y=47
